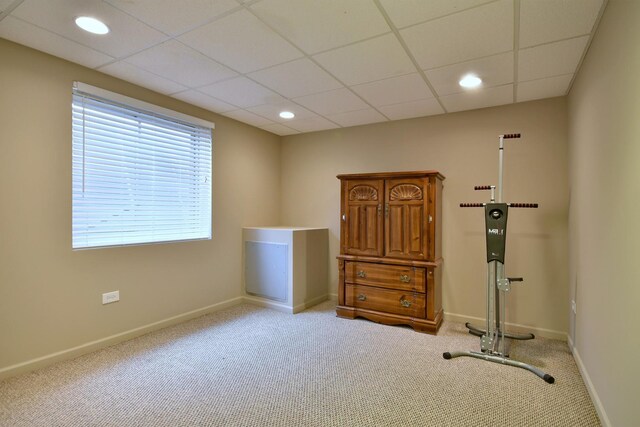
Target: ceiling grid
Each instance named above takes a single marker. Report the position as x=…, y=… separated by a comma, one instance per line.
x=335, y=63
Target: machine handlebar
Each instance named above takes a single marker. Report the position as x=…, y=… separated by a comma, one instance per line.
x=511, y=205
x=511, y=135
x=482, y=187
x=523, y=205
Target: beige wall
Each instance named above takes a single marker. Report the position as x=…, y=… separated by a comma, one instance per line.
x=50, y=296
x=604, y=133
x=463, y=147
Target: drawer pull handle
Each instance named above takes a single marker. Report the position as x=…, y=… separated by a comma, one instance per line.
x=362, y=297
x=405, y=303
x=405, y=278
x=362, y=274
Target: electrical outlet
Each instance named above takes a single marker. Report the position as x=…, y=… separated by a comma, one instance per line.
x=573, y=307
x=110, y=297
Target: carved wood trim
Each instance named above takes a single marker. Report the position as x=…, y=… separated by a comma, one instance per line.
x=363, y=193
x=405, y=192
x=393, y=175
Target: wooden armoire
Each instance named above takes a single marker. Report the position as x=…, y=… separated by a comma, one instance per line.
x=390, y=264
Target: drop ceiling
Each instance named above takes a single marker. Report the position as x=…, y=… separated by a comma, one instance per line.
x=334, y=63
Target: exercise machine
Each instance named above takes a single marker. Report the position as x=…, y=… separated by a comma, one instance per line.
x=493, y=338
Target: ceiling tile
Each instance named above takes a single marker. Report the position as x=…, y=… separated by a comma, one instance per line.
x=181, y=64
x=410, y=87
x=367, y=61
x=356, y=118
x=544, y=88
x=479, y=98
x=316, y=26
x=127, y=34
x=296, y=78
x=164, y=15
x=408, y=110
x=550, y=59
x=494, y=70
x=204, y=101
x=241, y=41
x=409, y=12
x=242, y=92
x=4, y=4
x=332, y=102
x=27, y=34
x=543, y=21
x=311, y=124
x=141, y=77
x=474, y=33
x=272, y=111
x=279, y=129
x=248, y=117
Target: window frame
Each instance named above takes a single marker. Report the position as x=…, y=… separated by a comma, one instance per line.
x=129, y=107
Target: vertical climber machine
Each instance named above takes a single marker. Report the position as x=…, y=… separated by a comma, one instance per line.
x=492, y=338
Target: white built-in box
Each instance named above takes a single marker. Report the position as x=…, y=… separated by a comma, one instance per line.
x=285, y=267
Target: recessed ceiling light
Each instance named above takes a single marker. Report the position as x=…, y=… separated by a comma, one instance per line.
x=287, y=115
x=92, y=25
x=470, y=81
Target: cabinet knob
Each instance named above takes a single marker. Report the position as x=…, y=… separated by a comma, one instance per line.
x=362, y=297
x=404, y=278
x=361, y=274
x=405, y=303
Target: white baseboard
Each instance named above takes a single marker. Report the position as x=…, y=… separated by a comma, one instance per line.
x=262, y=302
x=604, y=419
x=513, y=327
x=301, y=307
x=333, y=297
x=89, y=347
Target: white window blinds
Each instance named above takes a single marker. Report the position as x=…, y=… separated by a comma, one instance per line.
x=138, y=176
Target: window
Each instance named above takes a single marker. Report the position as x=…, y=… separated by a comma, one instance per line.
x=141, y=174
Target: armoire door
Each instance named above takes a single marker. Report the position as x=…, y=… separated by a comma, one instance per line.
x=362, y=217
x=406, y=222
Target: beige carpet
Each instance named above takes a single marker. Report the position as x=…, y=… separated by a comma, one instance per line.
x=251, y=366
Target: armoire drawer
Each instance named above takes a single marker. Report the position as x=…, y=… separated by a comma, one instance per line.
x=391, y=301
x=386, y=276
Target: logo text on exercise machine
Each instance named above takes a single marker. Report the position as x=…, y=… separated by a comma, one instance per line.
x=496, y=231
